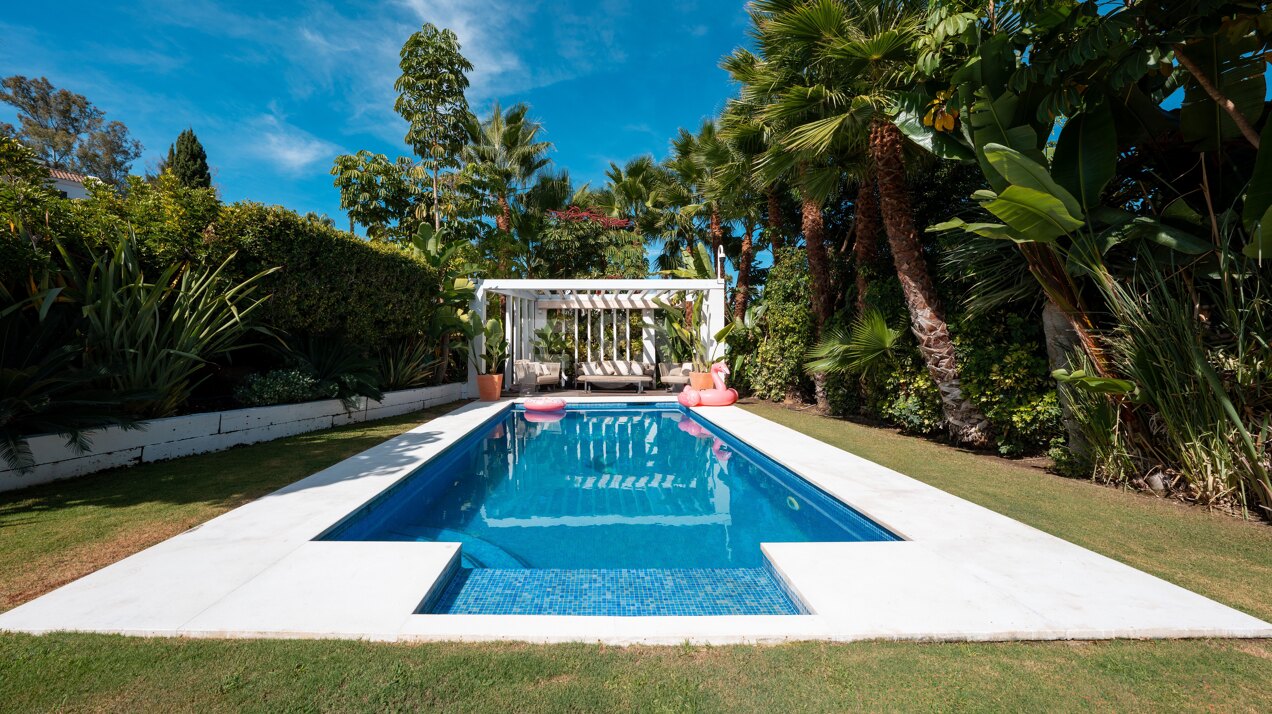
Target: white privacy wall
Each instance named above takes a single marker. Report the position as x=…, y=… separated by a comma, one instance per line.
x=214, y=431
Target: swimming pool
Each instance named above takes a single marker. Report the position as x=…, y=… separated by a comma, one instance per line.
x=635, y=506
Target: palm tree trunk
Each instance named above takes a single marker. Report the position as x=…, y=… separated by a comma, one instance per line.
x=865, y=247
x=814, y=228
x=966, y=424
x=717, y=239
x=741, y=295
x=775, y=224
x=503, y=221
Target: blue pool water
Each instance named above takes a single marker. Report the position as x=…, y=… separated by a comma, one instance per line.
x=607, y=500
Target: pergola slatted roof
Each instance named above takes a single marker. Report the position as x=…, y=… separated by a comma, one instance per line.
x=597, y=293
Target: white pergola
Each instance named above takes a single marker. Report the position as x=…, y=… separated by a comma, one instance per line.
x=599, y=306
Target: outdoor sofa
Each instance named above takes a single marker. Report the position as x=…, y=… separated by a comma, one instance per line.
x=674, y=373
x=615, y=373
x=532, y=375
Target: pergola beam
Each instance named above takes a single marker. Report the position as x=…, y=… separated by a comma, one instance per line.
x=505, y=285
x=598, y=302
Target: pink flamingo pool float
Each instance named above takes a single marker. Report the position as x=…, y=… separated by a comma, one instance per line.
x=720, y=396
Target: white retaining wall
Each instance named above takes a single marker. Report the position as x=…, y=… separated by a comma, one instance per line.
x=173, y=437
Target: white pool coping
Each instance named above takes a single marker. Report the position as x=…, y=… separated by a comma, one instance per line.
x=963, y=572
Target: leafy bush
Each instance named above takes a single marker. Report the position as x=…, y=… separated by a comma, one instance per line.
x=281, y=386
x=331, y=283
x=1004, y=370
x=907, y=397
x=777, y=371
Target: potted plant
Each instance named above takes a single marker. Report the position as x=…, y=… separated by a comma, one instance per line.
x=684, y=328
x=488, y=361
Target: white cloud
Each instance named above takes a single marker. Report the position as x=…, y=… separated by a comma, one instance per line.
x=288, y=147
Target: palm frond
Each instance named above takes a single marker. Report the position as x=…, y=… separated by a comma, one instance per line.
x=867, y=345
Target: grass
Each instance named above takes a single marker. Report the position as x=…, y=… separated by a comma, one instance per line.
x=53, y=533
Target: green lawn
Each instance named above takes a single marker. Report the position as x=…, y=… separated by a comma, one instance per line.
x=54, y=533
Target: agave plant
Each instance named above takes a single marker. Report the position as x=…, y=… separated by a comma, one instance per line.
x=342, y=369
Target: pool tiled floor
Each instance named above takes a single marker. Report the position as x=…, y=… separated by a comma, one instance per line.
x=625, y=592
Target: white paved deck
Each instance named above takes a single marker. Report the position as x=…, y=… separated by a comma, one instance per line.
x=963, y=572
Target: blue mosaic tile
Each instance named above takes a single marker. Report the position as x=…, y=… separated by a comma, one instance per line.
x=625, y=592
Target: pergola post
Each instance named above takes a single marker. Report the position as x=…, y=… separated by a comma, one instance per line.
x=648, y=337
x=716, y=315
x=478, y=308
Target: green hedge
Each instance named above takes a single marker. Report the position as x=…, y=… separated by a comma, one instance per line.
x=777, y=371
x=331, y=283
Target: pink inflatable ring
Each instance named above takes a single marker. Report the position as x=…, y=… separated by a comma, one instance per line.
x=544, y=404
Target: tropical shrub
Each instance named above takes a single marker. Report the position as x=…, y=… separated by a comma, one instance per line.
x=43, y=386
x=156, y=336
x=342, y=369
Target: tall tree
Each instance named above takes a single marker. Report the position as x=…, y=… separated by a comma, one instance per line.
x=504, y=153
x=790, y=90
x=378, y=193
x=848, y=105
x=745, y=137
x=188, y=161
x=708, y=156
x=67, y=132
x=431, y=100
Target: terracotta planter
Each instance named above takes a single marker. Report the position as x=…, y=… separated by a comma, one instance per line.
x=489, y=386
x=700, y=380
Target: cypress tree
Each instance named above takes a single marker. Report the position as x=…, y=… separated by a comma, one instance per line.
x=188, y=161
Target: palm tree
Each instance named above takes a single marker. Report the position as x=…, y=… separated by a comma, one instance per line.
x=745, y=138
x=700, y=162
x=789, y=91
x=861, y=56
x=505, y=152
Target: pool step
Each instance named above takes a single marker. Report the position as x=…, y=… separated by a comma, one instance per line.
x=627, y=592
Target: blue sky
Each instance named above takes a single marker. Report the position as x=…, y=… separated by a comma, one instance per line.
x=274, y=94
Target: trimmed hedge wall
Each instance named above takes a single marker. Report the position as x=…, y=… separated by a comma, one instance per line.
x=331, y=283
